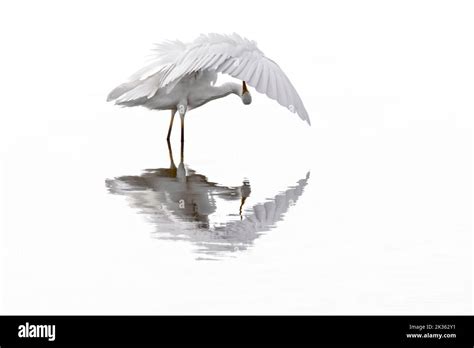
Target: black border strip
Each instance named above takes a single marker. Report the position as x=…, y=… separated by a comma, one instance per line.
x=241, y=330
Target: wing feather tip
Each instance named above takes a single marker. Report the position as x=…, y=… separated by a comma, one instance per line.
x=111, y=96
x=304, y=116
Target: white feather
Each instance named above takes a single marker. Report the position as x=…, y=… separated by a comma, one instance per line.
x=238, y=57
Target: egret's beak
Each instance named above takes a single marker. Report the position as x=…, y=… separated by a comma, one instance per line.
x=246, y=97
x=244, y=88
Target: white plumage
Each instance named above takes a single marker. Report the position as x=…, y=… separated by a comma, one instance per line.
x=181, y=76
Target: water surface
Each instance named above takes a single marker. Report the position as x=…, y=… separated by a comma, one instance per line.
x=183, y=205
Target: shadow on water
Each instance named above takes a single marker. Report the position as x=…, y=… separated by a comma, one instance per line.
x=183, y=205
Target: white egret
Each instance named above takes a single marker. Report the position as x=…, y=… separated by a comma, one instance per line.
x=182, y=76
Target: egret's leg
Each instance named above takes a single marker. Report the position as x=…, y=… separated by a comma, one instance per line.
x=182, y=137
x=171, y=124
x=182, y=112
x=170, y=152
x=182, y=128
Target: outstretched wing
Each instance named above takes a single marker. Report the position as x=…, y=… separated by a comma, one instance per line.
x=239, y=58
x=228, y=54
x=146, y=81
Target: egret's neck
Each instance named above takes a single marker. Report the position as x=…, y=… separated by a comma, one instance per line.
x=225, y=89
x=206, y=94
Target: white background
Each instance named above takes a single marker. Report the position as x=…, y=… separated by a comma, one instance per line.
x=383, y=227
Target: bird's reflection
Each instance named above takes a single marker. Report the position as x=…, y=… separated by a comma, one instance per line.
x=183, y=205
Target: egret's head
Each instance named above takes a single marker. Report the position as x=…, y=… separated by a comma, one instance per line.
x=246, y=97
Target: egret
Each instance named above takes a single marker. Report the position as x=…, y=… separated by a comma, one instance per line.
x=182, y=76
